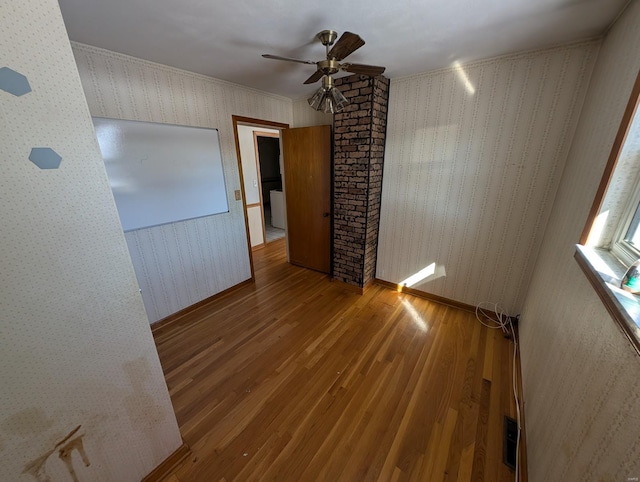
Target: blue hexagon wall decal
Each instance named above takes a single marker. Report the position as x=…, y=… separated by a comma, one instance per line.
x=13, y=82
x=45, y=158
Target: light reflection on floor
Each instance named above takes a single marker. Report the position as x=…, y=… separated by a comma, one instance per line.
x=417, y=317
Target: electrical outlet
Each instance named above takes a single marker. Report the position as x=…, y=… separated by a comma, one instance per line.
x=238, y=194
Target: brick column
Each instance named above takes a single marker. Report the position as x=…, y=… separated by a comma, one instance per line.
x=359, y=139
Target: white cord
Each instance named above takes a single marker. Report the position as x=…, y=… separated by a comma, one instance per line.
x=515, y=395
x=501, y=320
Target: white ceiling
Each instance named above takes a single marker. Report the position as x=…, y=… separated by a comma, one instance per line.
x=226, y=39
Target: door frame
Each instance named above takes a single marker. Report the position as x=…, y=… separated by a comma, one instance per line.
x=253, y=122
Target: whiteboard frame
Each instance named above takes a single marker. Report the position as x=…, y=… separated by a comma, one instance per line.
x=146, y=196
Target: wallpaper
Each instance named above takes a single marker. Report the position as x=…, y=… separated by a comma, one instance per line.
x=77, y=359
x=181, y=263
x=473, y=157
x=305, y=116
x=581, y=375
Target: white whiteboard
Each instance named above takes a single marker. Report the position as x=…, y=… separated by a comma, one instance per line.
x=161, y=173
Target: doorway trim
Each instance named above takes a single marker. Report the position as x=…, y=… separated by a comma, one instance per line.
x=253, y=122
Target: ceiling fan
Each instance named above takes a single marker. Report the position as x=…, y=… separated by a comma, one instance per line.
x=328, y=98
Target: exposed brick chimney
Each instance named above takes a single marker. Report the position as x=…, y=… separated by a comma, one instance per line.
x=359, y=139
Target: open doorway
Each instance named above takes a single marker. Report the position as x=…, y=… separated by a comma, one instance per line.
x=306, y=190
x=258, y=148
x=267, y=148
x=256, y=184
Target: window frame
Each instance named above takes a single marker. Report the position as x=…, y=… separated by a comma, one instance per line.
x=626, y=252
x=623, y=307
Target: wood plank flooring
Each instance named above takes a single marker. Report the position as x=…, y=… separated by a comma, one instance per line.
x=295, y=378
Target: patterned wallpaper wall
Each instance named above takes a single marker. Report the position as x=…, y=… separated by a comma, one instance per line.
x=76, y=352
x=581, y=375
x=181, y=263
x=305, y=116
x=473, y=158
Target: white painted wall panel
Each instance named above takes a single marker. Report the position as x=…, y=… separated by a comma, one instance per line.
x=249, y=162
x=255, y=225
x=472, y=161
x=580, y=373
x=75, y=344
x=182, y=263
x=249, y=166
x=251, y=177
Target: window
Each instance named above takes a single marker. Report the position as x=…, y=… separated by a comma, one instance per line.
x=626, y=243
x=610, y=241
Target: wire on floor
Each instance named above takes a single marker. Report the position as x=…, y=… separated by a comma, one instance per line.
x=495, y=317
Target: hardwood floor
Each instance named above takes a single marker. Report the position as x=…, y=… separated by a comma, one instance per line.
x=294, y=378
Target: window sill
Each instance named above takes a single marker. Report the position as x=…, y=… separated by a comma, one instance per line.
x=604, y=271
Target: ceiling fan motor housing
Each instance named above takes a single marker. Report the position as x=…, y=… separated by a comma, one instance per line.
x=329, y=66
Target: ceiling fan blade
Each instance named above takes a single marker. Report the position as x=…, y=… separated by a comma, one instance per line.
x=346, y=45
x=287, y=59
x=370, y=70
x=317, y=75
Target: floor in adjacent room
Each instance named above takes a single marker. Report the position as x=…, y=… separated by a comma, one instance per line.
x=295, y=378
x=272, y=232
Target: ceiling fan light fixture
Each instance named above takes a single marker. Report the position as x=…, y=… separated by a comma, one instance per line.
x=316, y=100
x=327, y=98
x=328, y=106
x=339, y=100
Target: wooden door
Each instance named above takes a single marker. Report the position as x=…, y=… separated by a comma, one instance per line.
x=307, y=184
